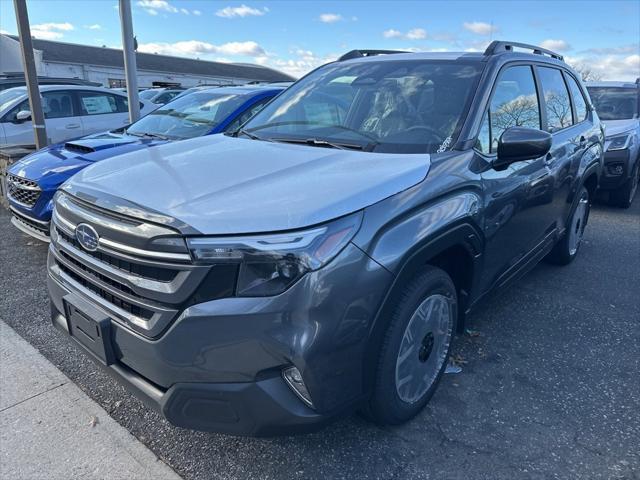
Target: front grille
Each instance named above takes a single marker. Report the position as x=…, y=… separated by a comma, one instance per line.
x=25, y=192
x=141, y=289
x=118, y=302
x=146, y=271
x=103, y=278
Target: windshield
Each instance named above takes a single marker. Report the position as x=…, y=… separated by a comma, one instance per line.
x=615, y=103
x=9, y=95
x=148, y=94
x=189, y=116
x=414, y=106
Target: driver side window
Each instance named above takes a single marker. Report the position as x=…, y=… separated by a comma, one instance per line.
x=514, y=104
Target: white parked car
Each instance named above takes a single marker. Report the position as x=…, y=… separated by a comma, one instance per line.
x=70, y=111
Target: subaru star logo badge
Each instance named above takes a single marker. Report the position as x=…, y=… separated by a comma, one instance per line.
x=87, y=237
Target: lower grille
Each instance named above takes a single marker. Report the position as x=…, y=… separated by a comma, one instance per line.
x=37, y=226
x=23, y=191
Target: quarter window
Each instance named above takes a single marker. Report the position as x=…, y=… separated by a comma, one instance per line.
x=578, y=99
x=514, y=104
x=556, y=98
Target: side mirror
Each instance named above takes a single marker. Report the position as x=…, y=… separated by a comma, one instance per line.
x=23, y=116
x=517, y=144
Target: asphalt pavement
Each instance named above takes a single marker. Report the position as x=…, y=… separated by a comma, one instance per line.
x=549, y=388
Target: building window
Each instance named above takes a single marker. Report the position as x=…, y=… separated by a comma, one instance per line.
x=117, y=83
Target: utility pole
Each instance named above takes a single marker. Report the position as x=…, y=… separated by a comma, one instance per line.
x=30, y=73
x=130, y=68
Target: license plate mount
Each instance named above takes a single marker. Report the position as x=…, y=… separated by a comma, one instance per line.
x=90, y=328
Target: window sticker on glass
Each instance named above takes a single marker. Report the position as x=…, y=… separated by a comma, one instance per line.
x=98, y=104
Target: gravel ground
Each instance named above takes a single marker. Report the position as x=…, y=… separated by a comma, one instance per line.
x=550, y=387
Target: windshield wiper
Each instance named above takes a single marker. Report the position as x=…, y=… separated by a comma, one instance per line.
x=319, y=142
x=148, y=135
x=252, y=136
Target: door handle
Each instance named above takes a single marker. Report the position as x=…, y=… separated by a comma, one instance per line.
x=71, y=126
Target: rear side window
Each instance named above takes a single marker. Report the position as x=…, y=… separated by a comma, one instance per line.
x=514, y=104
x=98, y=103
x=578, y=99
x=556, y=98
x=57, y=104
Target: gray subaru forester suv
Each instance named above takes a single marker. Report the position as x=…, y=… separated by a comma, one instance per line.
x=321, y=259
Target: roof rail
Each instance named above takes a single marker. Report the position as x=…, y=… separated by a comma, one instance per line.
x=499, y=46
x=367, y=53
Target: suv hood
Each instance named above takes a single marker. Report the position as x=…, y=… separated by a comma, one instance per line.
x=614, y=127
x=225, y=185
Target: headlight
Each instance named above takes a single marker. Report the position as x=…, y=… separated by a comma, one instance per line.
x=619, y=142
x=271, y=263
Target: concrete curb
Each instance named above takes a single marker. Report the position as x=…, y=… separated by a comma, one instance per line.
x=49, y=429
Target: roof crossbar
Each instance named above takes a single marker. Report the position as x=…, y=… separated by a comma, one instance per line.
x=499, y=46
x=366, y=53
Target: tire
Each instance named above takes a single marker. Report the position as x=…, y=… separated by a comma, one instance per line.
x=566, y=249
x=623, y=197
x=418, y=340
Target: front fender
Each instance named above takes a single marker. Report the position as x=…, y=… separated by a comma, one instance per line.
x=399, y=241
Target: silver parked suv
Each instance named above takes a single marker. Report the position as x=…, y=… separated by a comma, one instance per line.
x=320, y=259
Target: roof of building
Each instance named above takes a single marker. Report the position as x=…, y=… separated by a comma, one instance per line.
x=111, y=57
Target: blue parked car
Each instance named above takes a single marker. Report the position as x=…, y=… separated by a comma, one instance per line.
x=33, y=181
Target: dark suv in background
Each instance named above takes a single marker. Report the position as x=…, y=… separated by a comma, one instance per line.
x=320, y=259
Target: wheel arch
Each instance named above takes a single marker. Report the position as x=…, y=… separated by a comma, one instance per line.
x=456, y=249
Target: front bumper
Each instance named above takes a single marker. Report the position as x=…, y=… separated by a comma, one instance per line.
x=616, y=169
x=218, y=366
x=36, y=228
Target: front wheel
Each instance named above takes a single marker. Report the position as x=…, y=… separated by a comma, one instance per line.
x=415, y=349
x=566, y=250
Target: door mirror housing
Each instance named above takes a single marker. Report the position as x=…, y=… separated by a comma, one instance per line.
x=23, y=116
x=517, y=144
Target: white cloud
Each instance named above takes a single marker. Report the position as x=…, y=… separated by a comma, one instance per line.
x=157, y=5
x=95, y=26
x=154, y=7
x=300, y=63
x=480, y=28
x=4, y=32
x=196, y=12
x=241, y=11
x=196, y=48
x=609, y=66
x=413, y=34
x=50, y=31
x=330, y=17
x=417, y=34
x=556, y=45
x=391, y=33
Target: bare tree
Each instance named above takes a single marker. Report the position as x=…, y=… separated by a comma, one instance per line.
x=587, y=73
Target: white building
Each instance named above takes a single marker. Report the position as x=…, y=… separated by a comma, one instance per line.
x=106, y=66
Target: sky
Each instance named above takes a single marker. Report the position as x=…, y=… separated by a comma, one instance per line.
x=298, y=35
